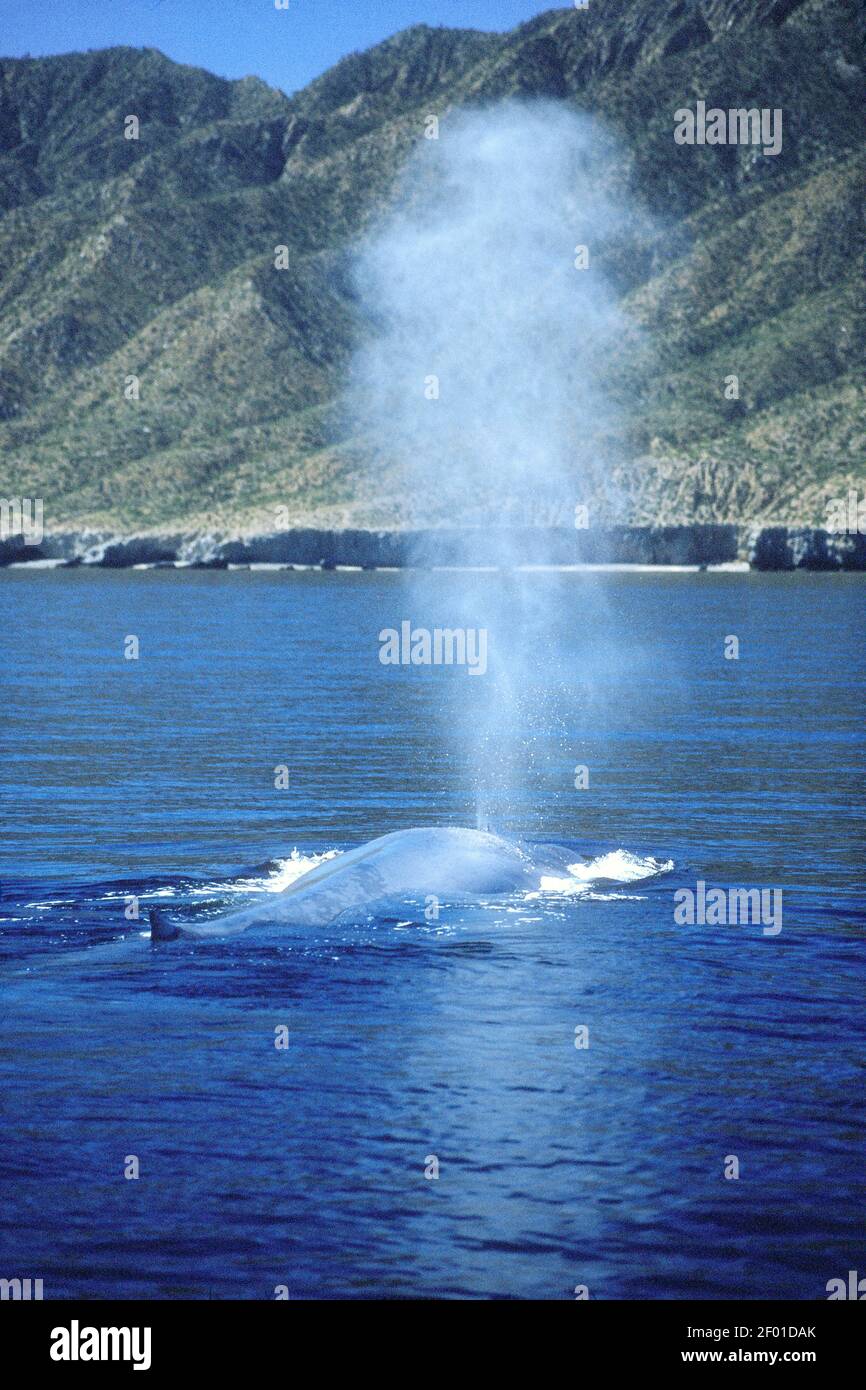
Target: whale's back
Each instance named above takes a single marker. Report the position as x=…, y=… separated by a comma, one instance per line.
x=440, y=861
x=437, y=861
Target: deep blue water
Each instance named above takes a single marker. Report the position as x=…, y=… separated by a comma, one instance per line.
x=305, y=1167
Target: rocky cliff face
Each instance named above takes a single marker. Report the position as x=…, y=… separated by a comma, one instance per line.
x=761, y=548
x=153, y=259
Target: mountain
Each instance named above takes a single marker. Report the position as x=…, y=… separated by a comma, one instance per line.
x=153, y=259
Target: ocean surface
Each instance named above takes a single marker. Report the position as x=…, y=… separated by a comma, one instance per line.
x=450, y=1043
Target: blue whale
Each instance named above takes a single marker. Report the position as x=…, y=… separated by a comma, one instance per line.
x=440, y=862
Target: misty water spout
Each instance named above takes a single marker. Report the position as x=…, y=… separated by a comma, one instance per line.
x=483, y=383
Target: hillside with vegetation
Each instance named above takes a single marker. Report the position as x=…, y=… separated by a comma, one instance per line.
x=153, y=259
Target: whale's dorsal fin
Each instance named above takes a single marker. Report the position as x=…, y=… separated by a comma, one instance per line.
x=161, y=929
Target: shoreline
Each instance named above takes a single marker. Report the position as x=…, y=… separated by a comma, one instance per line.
x=675, y=548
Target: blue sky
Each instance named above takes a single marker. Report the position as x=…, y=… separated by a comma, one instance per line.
x=236, y=37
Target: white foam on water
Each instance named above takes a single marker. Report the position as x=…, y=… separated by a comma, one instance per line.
x=280, y=877
x=617, y=866
x=284, y=873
